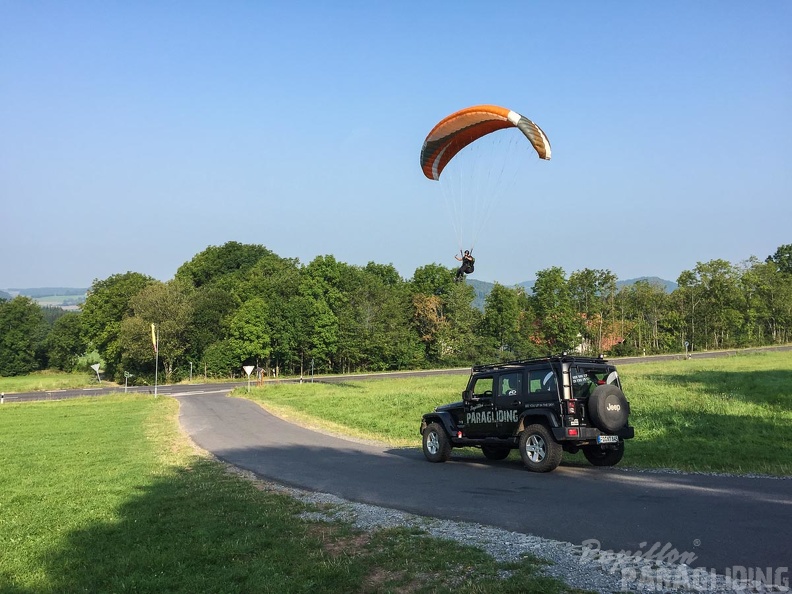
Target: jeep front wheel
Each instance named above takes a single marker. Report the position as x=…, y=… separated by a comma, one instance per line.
x=604, y=455
x=538, y=450
x=436, y=446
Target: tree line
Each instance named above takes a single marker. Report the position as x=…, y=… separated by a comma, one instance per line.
x=241, y=304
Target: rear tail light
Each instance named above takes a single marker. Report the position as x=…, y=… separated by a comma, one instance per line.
x=571, y=406
x=572, y=431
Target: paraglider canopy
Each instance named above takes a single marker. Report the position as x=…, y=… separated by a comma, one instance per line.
x=458, y=130
x=474, y=168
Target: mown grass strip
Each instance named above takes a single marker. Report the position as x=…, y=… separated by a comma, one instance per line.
x=42, y=381
x=106, y=495
x=731, y=414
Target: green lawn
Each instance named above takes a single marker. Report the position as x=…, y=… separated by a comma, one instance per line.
x=731, y=414
x=107, y=495
x=41, y=381
x=387, y=410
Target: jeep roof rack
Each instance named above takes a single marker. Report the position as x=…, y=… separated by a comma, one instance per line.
x=561, y=357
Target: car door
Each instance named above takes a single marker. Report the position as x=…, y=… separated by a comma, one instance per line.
x=480, y=418
x=509, y=401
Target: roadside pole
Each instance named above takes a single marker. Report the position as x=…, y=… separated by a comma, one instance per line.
x=248, y=369
x=95, y=367
x=155, y=340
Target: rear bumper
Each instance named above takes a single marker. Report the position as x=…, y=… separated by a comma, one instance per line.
x=626, y=432
x=589, y=433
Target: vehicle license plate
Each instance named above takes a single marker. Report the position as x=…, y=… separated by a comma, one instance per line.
x=607, y=439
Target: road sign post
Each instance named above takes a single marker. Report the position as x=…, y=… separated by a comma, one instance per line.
x=248, y=369
x=95, y=367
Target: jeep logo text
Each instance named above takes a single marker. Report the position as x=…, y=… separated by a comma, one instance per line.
x=489, y=416
x=614, y=406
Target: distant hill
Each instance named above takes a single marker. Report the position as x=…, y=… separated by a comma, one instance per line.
x=483, y=288
x=64, y=297
x=668, y=285
x=527, y=285
x=48, y=291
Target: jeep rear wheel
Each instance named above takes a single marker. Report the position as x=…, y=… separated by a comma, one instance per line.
x=436, y=446
x=492, y=452
x=604, y=455
x=538, y=450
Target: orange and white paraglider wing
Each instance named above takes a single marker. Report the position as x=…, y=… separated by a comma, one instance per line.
x=458, y=130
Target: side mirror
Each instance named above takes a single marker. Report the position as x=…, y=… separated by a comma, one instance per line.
x=467, y=395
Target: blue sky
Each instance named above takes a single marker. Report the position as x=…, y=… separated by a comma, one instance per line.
x=134, y=135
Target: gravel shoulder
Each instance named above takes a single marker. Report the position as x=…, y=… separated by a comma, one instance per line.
x=584, y=567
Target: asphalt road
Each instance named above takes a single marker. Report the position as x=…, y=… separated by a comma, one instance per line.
x=168, y=390
x=199, y=388
x=726, y=522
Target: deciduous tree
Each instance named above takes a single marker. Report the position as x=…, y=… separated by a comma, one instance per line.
x=22, y=334
x=501, y=321
x=558, y=323
x=65, y=343
x=106, y=306
x=168, y=307
x=221, y=265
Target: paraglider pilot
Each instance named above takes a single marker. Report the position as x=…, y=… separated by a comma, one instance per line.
x=467, y=265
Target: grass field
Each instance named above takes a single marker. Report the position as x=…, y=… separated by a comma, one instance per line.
x=106, y=495
x=59, y=300
x=42, y=381
x=730, y=414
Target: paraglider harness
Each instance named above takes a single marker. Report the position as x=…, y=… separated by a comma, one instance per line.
x=468, y=265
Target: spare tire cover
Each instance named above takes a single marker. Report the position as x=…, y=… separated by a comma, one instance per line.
x=608, y=408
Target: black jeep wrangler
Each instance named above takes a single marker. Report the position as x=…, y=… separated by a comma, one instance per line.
x=542, y=406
